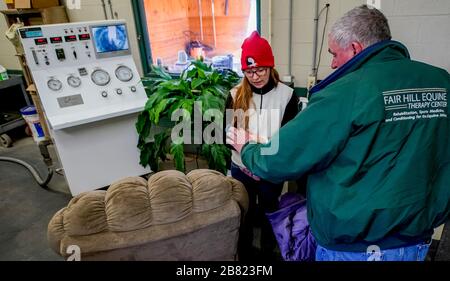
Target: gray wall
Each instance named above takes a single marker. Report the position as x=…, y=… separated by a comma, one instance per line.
x=423, y=26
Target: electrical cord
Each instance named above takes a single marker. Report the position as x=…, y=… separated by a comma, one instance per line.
x=59, y=171
x=42, y=182
x=327, y=7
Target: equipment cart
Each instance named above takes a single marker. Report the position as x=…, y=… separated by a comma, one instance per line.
x=12, y=97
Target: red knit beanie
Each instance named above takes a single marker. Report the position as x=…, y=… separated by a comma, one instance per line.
x=256, y=52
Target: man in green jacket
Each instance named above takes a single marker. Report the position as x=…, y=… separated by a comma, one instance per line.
x=374, y=143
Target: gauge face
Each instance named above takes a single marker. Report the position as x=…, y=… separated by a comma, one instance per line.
x=100, y=77
x=54, y=84
x=124, y=73
x=74, y=81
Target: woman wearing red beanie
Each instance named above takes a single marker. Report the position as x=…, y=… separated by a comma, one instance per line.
x=259, y=95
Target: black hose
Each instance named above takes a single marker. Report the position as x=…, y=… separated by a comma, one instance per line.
x=37, y=177
x=104, y=9
x=111, y=9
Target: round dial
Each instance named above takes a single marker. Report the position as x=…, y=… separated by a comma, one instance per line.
x=124, y=73
x=74, y=81
x=54, y=84
x=100, y=77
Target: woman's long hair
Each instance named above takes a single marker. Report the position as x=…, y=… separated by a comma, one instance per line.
x=243, y=99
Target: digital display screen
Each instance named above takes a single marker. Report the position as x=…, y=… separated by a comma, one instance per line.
x=84, y=36
x=111, y=38
x=31, y=32
x=41, y=41
x=56, y=40
x=70, y=38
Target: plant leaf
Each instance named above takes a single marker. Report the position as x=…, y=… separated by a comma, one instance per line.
x=161, y=145
x=209, y=101
x=143, y=125
x=177, y=150
x=158, y=71
x=201, y=73
x=176, y=105
x=147, y=156
x=200, y=82
x=197, y=82
x=201, y=65
x=188, y=106
x=191, y=73
x=161, y=107
x=155, y=98
x=219, y=155
x=218, y=91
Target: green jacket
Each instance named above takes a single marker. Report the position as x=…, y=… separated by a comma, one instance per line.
x=375, y=146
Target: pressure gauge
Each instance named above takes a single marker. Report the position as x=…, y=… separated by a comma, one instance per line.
x=100, y=77
x=74, y=81
x=54, y=84
x=124, y=73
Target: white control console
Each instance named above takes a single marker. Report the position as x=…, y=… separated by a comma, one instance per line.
x=91, y=93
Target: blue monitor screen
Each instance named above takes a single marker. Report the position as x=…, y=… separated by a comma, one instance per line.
x=31, y=32
x=110, y=38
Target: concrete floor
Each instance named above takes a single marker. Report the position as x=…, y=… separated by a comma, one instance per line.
x=25, y=207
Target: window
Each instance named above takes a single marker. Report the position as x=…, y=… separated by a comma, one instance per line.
x=183, y=30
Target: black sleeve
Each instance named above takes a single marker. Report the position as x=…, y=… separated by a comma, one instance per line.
x=291, y=110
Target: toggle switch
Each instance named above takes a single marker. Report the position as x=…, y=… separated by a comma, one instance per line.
x=60, y=54
x=35, y=57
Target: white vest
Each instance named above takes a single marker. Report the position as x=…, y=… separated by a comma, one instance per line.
x=265, y=118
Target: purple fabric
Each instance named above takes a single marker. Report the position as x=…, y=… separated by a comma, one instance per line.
x=291, y=228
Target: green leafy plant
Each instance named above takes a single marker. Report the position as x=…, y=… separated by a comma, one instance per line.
x=198, y=83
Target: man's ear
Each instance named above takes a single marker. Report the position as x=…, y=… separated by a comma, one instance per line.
x=357, y=47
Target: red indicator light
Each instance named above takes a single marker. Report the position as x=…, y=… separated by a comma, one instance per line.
x=70, y=38
x=56, y=39
x=40, y=41
x=85, y=36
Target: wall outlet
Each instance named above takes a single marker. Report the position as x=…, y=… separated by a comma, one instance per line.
x=374, y=3
x=311, y=81
x=287, y=78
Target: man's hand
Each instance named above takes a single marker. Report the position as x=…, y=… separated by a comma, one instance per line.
x=239, y=137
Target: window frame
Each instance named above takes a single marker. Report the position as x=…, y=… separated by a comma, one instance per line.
x=144, y=44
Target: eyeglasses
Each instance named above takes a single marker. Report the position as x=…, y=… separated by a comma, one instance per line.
x=258, y=71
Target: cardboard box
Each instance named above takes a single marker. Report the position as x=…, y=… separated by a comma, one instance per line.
x=54, y=15
x=22, y=4
x=36, y=4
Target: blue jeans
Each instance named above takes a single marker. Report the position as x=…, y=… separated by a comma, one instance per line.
x=411, y=253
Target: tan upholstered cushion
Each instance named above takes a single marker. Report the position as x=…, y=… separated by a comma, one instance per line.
x=134, y=204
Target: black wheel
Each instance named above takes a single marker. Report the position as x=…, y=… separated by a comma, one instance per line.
x=5, y=140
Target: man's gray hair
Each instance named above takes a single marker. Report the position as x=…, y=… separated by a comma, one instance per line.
x=362, y=24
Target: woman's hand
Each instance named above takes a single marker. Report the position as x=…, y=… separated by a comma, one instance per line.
x=239, y=137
